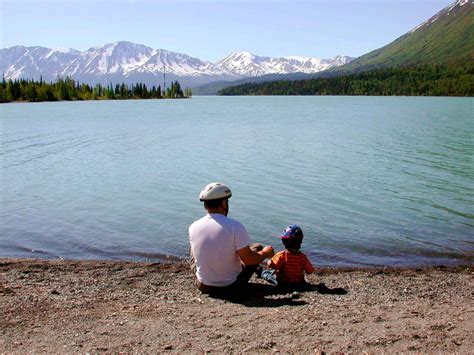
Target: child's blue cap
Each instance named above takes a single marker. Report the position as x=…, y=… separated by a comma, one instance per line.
x=292, y=231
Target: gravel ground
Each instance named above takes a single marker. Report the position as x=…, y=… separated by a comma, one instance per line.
x=107, y=306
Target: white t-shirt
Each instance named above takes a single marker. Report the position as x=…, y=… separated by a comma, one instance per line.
x=214, y=241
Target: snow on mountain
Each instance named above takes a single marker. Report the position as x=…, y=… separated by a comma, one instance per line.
x=32, y=62
x=177, y=63
x=129, y=62
x=118, y=57
x=455, y=6
x=243, y=63
x=248, y=64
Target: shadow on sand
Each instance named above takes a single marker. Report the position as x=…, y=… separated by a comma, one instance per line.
x=263, y=295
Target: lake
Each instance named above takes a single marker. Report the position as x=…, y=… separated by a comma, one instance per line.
x=371, y=180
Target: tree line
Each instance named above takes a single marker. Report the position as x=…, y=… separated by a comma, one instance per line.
x=426, y=80
x=67, y=89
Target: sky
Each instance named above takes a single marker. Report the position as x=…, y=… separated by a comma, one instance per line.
x=211, y=30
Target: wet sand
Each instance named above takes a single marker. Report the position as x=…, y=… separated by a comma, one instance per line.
x=107, y=306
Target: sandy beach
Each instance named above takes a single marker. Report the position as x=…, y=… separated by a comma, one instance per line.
x=108, y=306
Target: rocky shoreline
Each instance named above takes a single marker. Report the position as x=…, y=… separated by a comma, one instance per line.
x=112, y=306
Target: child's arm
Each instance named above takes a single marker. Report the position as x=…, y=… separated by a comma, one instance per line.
x=276, y=262
x=308, y=267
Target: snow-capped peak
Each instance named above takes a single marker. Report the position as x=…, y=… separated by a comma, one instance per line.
x=243, y=57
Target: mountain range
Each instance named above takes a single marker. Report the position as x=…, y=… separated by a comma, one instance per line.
x=447, y=38
x=131, y=63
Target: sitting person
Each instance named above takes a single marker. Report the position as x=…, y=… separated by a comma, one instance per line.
x=223, y=257
x=290, y=265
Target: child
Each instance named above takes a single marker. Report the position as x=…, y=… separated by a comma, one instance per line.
x=291, y=264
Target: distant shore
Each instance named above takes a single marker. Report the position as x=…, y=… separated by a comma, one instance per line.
x=101, y=99
x=112, y=306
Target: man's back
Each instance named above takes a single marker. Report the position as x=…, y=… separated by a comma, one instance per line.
x=214, y=241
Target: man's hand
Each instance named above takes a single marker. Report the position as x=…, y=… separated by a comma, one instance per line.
x=267, y=251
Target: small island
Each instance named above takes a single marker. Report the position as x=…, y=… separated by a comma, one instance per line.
x=67, y=89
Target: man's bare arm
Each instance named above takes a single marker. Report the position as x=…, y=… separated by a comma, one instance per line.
x=250, y=257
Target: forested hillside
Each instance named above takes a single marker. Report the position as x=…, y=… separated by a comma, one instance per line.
x=427, y=80
x=447, y=38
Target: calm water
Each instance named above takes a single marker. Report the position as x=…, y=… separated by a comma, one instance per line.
x=371, y=180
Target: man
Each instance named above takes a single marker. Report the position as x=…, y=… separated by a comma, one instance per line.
x=223, y=258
